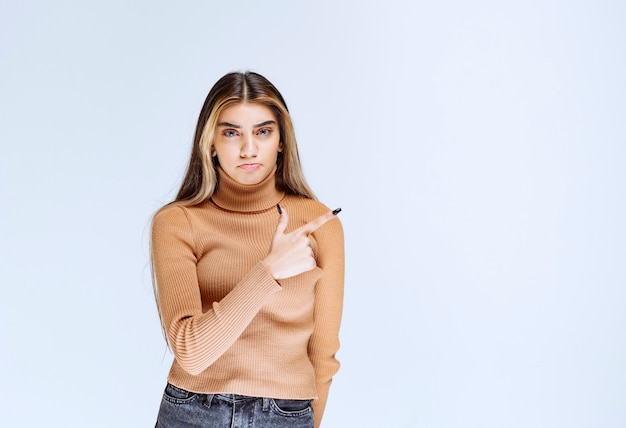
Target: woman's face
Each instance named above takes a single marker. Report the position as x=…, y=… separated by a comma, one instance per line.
x=247, y=142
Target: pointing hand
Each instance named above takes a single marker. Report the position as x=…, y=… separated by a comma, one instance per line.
x=291, y=253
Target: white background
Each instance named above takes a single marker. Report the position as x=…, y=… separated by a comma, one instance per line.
x=477, y=149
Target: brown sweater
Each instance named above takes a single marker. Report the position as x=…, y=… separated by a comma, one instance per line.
x=232, y=327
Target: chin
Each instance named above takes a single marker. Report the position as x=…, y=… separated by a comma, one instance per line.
x=250, y=180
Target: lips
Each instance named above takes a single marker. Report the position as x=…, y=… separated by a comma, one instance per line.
x=249, y=166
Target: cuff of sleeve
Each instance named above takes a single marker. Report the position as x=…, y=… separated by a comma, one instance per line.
x=259, y=283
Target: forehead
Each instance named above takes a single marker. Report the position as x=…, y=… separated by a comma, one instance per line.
x=246, y=113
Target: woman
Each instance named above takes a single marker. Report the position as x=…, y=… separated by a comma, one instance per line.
x=248, y=270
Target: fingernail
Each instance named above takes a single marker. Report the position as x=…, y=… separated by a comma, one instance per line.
x=336, y=211
x=279, y=210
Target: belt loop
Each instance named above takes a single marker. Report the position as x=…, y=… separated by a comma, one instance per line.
x=209, y=400
x=266, y=404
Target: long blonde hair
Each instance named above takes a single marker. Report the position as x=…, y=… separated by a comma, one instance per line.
x=200, y=180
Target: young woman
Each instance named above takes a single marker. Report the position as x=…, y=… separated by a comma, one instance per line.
x=248, y=270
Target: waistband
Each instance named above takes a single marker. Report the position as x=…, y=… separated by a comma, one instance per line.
x=235, y=398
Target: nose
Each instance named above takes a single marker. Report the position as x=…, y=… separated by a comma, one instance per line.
x=248, y=147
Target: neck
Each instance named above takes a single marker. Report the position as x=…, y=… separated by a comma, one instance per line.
x=233, y=196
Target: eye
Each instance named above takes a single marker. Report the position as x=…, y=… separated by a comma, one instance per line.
x=230, y=133
x=264, y=131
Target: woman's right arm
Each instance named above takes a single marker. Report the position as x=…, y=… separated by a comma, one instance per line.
x=197, y=339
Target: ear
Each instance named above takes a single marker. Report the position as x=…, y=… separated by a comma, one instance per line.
x=213, y=152
x=280, y=147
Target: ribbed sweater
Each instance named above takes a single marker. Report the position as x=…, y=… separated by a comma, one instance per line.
x=232, y=327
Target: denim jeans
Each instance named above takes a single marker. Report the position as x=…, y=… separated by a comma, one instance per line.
x=180, y=408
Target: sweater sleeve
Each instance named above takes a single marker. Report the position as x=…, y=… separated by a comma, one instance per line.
x=197, y=339
x=324, y=342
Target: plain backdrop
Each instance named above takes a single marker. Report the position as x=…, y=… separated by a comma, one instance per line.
x=478, y=150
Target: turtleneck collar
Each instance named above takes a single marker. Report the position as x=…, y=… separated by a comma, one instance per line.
x=233, y=196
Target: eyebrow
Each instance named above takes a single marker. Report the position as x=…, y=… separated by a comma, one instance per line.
x=258, y=125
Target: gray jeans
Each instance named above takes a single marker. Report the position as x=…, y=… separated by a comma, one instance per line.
x=180, y=408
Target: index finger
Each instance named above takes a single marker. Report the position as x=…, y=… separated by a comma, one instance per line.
x=314, y=224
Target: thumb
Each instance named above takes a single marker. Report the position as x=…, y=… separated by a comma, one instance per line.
x=282, y=222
